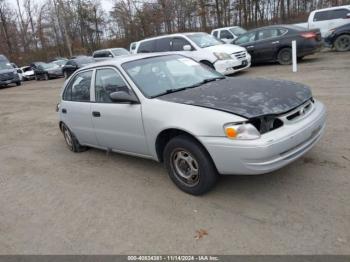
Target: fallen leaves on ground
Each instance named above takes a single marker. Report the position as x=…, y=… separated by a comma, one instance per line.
x=200, y=234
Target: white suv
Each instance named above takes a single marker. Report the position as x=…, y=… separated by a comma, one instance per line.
x=202, y=47
x=228, y=34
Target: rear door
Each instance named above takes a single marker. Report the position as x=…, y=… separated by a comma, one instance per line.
x=75, y=109
x=118, y=126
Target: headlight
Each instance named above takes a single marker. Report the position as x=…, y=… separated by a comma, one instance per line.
x=222, y=56
x=244, y=131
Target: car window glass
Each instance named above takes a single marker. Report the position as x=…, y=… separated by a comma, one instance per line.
x=321, y=16
x=79, y=88
x=225, y=34
x=215, y=33
x=146, y=47
x=247, y=38
x=338, y=13
x=107, y=82
x=177, y=44
x=267, y=34
x=163, y=44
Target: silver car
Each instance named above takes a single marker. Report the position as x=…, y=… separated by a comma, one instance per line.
x=200, y=124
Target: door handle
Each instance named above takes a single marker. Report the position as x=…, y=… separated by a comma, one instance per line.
x=96, y=114
x=276, y=42
x=64, y=111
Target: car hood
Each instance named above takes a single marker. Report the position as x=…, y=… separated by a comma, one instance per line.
x=246, y=97
x=6, y=71
x=227, y=48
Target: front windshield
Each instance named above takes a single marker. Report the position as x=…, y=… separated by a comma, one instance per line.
x=120, y=51
x=5, y=65
x=238, y=30
x=204, y=40
x=160, y=75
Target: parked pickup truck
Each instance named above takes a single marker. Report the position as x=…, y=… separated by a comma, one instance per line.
x=327, y=19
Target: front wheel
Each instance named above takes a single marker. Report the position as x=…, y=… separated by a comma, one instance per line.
x=342, y=43
x=284, y=56
x=189, y=165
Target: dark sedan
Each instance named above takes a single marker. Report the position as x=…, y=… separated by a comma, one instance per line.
x=46, y=71
x=274, y=43
x=339, y=38
x=75, y=63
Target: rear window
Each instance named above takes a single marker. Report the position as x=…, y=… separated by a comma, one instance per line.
x=146, y=47
x=331, y=14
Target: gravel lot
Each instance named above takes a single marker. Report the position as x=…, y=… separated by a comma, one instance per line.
x=53, y=201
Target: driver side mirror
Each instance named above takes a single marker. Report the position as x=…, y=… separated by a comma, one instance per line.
x=123, y=97
x=187, y=48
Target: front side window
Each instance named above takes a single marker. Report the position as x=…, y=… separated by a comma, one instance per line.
x=156, y=76
x=163, y=44
x=247, y=38
x=225, y=34
x=78, y=89
x=267, y=34
x=338, y=14
x=108, y=81
x=178, y=43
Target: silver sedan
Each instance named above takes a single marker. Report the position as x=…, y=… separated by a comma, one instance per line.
x=200, y=124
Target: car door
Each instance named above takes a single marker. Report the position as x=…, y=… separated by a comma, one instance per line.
x=267, y=44
x=118, y=126
x=75, y=109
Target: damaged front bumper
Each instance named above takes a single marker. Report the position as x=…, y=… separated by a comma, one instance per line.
x=272, y=151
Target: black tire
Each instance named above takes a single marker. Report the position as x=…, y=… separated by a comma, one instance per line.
x=197, y=183
x=18, y=83
x=71, y=141
x=284, y=56
x=207, y=63
x=342, y=43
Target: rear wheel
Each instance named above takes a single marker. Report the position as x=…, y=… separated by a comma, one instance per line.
x=342, y=43
x=189, y=165
x=71, y=141
x=284, y=56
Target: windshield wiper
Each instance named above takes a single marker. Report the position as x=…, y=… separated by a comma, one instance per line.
x=173, y=90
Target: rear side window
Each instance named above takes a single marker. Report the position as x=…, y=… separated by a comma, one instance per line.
x=107, y=82
x=78, y=89
x=163, y=44
x=321, y=16
x=146, y=47
x=215, y=33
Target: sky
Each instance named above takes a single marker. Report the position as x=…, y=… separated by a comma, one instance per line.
x=106, y=4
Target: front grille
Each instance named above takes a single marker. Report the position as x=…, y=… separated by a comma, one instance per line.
x=7, y=76
x=266, y=124
x=240, y=55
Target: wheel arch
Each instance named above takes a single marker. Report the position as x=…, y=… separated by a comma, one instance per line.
x=280, y=48
x=167, y=134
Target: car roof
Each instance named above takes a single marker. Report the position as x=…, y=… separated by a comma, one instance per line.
x=331, y=8
x=294, y=27
x=170, y=35
x=227, y=27
x=123, y=59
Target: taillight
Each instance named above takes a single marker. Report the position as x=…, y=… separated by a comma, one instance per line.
x=308, y=35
